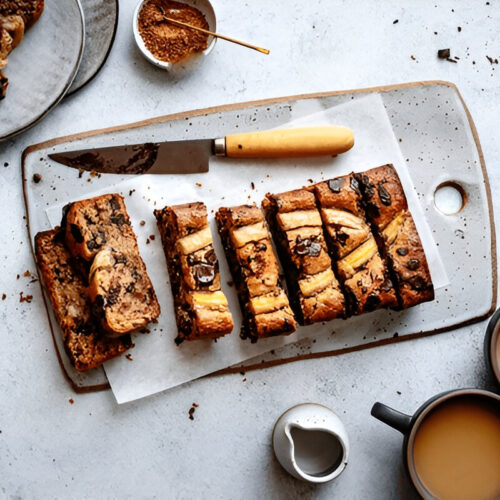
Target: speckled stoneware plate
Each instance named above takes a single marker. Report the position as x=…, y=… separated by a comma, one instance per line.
x=439, y=142
x=42, y=68
x=101, y=20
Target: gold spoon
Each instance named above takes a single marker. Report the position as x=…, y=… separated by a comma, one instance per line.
x=217, y=35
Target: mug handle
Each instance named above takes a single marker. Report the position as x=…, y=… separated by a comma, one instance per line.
x=397, y=420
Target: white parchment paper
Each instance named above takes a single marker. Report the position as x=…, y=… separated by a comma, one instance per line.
x=157, y=363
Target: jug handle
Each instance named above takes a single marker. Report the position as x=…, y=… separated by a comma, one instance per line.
x=396, y=419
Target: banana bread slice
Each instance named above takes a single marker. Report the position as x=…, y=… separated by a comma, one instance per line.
x=85, y=345
x=387, y=209
x=363, y=273
x=98, y=233
x=201, y=308
x=296, y=225
x=121, y=292
x=255, y=271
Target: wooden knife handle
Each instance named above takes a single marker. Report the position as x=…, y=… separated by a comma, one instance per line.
x=290, y=143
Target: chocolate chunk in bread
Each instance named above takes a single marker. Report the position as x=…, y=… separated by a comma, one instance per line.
x=296, y=225
x=254, y=267
x=362, y=271
x=85, y=344
x=98, y=232
x=201, y=308
x=387, y=209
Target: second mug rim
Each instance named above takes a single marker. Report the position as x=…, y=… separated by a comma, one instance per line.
x=422, y=413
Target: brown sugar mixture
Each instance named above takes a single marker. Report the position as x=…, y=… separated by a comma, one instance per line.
x=167, y=41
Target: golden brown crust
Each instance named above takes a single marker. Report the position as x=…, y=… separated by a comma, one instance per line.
x=299, y=199
x=201, y=308
x=242, y=215
x=255, y=271
x=297, y=229
x=324, y=306
x=274, y=323
x=187, y=218
x=85, y=345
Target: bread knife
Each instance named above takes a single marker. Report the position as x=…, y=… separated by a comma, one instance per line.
x=192, y=156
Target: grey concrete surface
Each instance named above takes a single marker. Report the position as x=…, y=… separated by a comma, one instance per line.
x=93, y=448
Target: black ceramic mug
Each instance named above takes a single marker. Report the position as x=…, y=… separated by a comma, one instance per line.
x=410, y=425
x=492, y=346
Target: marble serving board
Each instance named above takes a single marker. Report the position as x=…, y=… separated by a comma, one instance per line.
x=438, y=141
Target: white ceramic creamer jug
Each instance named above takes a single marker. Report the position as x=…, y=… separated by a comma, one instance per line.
x=310, y=442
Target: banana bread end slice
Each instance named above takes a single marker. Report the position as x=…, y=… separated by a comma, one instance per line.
x=85, y=344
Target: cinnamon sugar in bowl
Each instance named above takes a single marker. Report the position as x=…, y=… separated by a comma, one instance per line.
x=165, y=44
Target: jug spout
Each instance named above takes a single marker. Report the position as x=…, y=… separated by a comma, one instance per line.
x=315, y=452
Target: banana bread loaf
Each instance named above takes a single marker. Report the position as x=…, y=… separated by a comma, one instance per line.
x=255, y=271
x=201, y=308
x=85, y=344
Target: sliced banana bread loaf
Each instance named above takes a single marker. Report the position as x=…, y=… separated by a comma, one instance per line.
x=86, y=346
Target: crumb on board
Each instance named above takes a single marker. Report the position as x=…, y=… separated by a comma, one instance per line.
x=25, y=298
x=398, y=392
x=444, y=53
x=142, y=223
x=129, y=357
x=26, y=274
x=131, y=192
x=4, y=296
x=192, y=410
x=71, y=401
x=252, y=185
x=199, y=184
x=152, y=237
x=396, y=21
x=37, y=178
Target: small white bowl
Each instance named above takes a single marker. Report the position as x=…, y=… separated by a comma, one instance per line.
x=205, y=7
